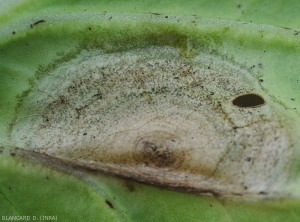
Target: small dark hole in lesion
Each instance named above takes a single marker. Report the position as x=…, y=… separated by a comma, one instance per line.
x=249, y=100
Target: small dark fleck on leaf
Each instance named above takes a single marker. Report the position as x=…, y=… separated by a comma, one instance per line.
x=12, y=154
x=166, y=16
x=248, y=159
x=287, y=28
x=84, y=134
x=261, y=80
x=47, y=178
x=13, y=32
x=293, y=99
x=37, y=22
x=154, y=13
x=9, y=188
x=109, y=204
x=239, y=5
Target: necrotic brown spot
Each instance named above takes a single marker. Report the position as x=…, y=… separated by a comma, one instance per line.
x=163, y=156
x=250, y=100
x=159, y=149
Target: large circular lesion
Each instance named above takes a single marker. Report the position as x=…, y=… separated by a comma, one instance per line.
x=151, y=114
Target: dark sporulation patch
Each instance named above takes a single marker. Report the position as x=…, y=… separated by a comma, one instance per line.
x=250, y=100
x=1, y=149
x=292, y=99
x=9, y=188
x=12, y=154
x=166, y=16
x=13, y=32
x=47, y=178
x=261, y=80
x=239, y=6
x=37, y=22
x=109, y=204
x=263, y=193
